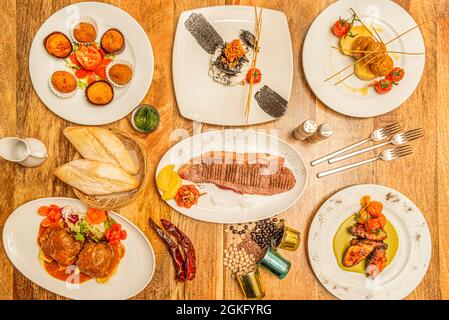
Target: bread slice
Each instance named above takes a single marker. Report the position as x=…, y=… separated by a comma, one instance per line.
x=96, y=177
x=100, y=144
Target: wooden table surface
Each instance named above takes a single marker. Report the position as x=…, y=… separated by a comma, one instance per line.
x=423, y=177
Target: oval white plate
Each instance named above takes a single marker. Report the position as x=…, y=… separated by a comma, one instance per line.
x=320, y=60
x=409, y=265
x=202, y=99
x=227, y=208
x=137, y=50
x=20, y=241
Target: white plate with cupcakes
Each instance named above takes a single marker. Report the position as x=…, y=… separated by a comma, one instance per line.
x=84, y=60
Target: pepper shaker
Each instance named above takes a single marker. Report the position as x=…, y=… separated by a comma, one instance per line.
x=305, y=130
x=323, y=132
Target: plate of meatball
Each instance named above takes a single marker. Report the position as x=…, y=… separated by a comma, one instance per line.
x=78, y=252
x=85, y=59
x=363, y=58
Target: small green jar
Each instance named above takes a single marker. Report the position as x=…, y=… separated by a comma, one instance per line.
x=145, y=118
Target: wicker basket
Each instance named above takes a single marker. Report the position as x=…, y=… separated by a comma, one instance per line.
x=120, y=199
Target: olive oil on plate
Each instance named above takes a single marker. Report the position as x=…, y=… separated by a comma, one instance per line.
x=343, y=237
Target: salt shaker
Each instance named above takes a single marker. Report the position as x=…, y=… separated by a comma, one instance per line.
x=305, y=130
x=323, y=132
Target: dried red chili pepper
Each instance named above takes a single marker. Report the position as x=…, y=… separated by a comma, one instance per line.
x=174, y=251
x=187, y=245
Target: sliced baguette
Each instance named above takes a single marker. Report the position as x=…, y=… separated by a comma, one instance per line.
x=95, y=177
x=100, y=144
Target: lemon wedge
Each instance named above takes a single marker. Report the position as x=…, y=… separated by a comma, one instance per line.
x=168, y=181
x=174, y=184
x=163, y=177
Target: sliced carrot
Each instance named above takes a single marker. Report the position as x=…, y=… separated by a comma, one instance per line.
x=374, y=208
x=57, y=216
x=95, y=216
x=46, y=223
x=55, y=209
x=374, y=224
x=43, y=211
x=382, y=219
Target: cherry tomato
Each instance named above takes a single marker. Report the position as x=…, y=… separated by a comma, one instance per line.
x=101, y=71
x=102, y=53
x=81, y=73
x=341, y=27
x=73, y=59
x=115, y=234
x=383, y=86
x=91, y=77
x=396, y=75
x=89, y=57
x=105, y=62
x=257, y=76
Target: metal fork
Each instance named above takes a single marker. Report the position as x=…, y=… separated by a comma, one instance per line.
x=397, y=140
x=386, y=155
x=376, y=136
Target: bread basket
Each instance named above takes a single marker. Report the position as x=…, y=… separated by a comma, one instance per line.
x=120, y=199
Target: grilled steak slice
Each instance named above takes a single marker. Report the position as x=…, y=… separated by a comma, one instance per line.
x=247, y=173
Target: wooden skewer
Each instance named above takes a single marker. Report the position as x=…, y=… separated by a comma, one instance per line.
x=350, y=65
x=248, y=99
x=253, y=65
x=361, y=21
x=368, y=62
x=378, y=35
x=395, y=38
x=367, y=51
x=407, y=31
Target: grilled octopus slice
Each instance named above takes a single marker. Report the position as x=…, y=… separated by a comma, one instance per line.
x=360, y=231
x=359, y=250
x=377, y=262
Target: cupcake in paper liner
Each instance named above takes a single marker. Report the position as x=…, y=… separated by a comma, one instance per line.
x=63, y=84
x=113, y=41
x=99, y=93
x=84, y=31
x=58, y=45
x=120, y=73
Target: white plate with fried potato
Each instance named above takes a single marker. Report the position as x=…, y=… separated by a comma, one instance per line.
x=354, y=97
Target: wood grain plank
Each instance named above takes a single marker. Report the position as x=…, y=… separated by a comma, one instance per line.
x=7, y=128
x=443, y=156
x=424, y=179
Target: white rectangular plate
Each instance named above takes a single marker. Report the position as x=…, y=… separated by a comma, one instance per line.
x=202, y=99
